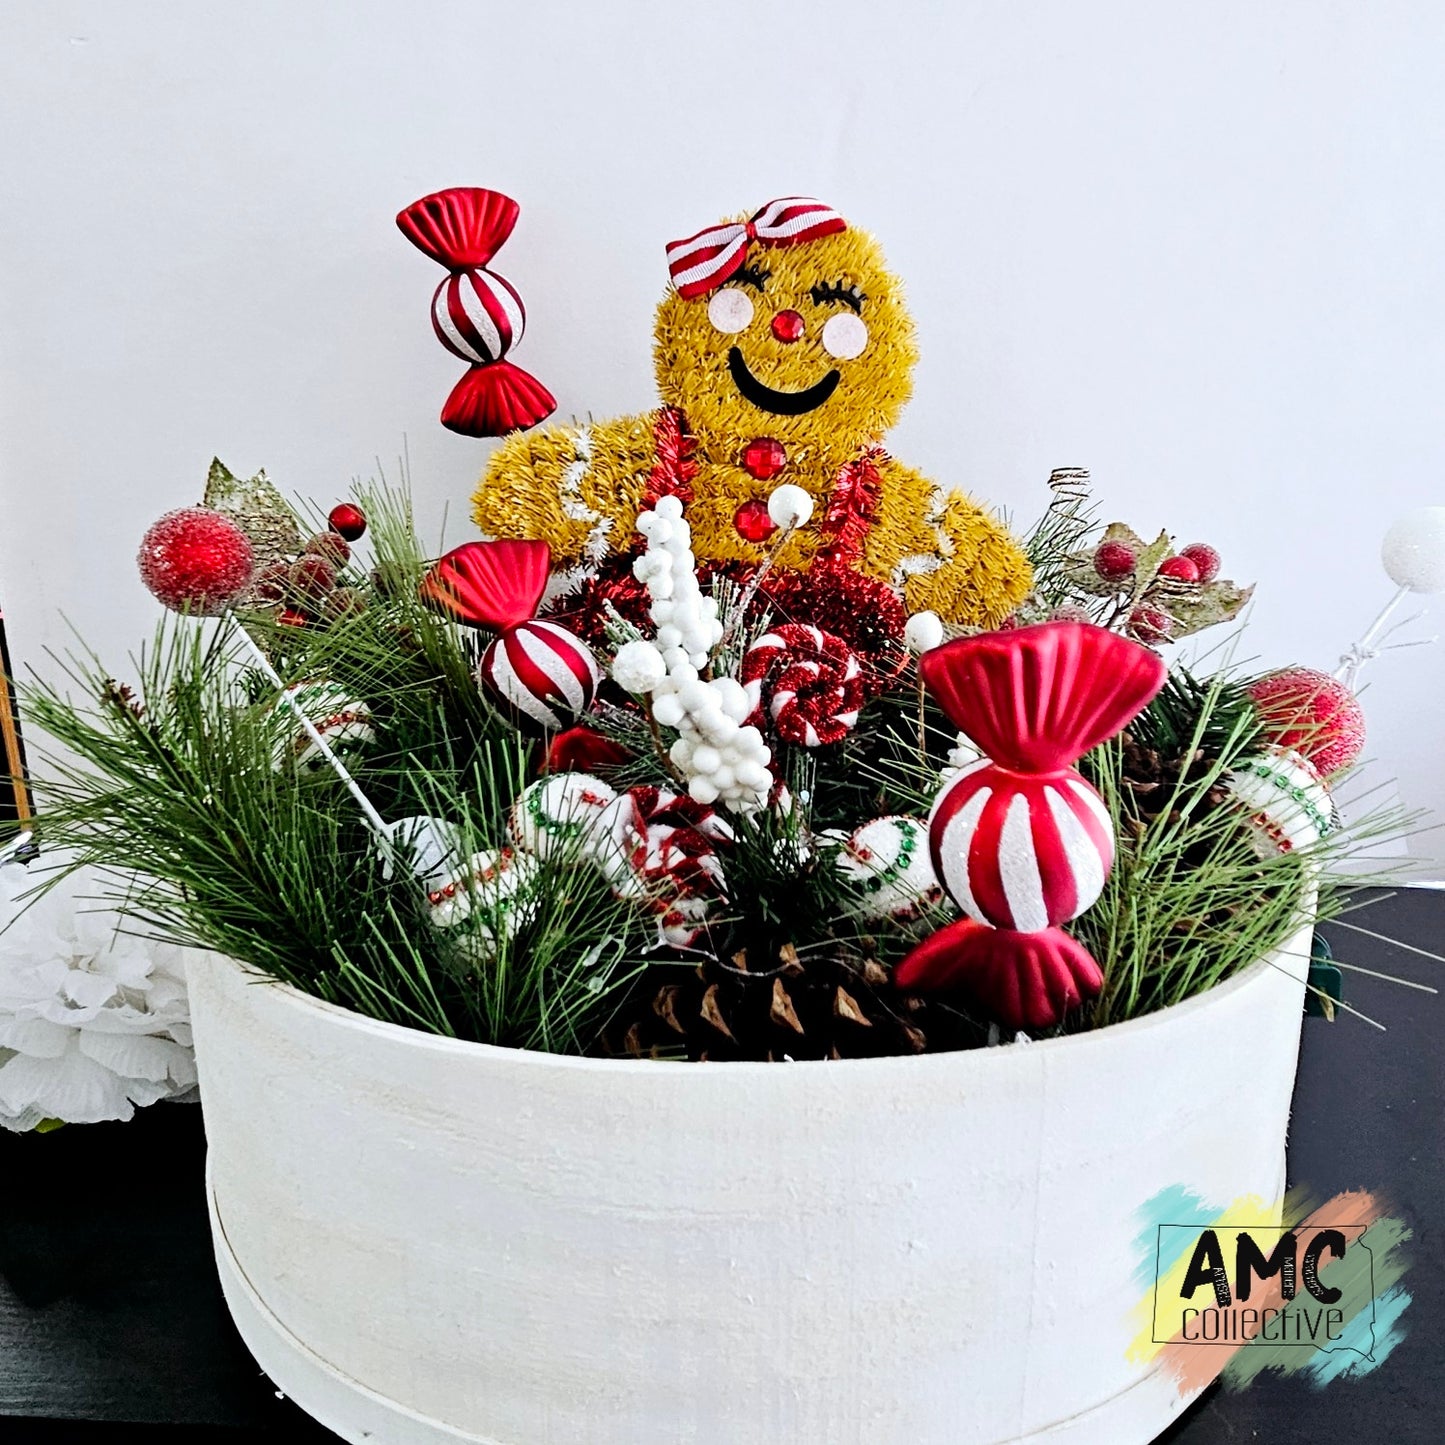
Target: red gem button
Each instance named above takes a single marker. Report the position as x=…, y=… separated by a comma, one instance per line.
x=763, y=459
x=788, y=326
x=753, y=522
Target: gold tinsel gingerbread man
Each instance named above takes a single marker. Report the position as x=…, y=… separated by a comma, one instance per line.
x=783, y=354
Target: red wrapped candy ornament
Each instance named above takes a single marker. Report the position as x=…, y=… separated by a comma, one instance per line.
x=537, y=672
x=477, y=314
x=1019, y=840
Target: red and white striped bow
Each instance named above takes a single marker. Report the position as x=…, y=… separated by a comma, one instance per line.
x=704, y=261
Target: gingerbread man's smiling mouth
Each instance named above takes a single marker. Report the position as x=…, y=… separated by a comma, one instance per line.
x=781, y=403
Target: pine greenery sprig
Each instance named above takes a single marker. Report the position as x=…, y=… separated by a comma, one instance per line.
x=172, y=787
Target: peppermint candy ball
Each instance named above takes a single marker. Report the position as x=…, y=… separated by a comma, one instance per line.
x=808, y=682
x=563, y=815
x=478, y=315
x=888, y=861
x=539, y=674
x=342, y=720
x=1018, y=850
x=683, y=921
x=196, y=560
x=1288, y=803
x=486, y=901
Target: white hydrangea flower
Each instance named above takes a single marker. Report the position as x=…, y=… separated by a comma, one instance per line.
x=93, y=1022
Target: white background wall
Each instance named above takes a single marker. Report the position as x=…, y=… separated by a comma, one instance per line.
x=1199, y=248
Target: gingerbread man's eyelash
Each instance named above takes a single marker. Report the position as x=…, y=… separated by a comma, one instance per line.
x=844, y=291
x=753, y=276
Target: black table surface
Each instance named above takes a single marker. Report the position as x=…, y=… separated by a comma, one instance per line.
x=112, y=1326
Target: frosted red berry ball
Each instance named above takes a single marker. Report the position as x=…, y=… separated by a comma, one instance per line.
x=1179, y=569
x=331, y=545
x=347, y=519
x=1150, y=624
x=1204, y=557
x=269, y=585
x=196, y=560
x=1114, y=561
x=1313, y=714
x=310, y=579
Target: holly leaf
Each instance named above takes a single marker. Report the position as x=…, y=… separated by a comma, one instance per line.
x=1147, y=567
x=1119, y=532
x=1206, y=606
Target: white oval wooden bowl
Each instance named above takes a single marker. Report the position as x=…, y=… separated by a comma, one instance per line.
x=423, y=1240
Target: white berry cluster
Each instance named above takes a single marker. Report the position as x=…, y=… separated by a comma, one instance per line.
x=722, y=760
x=687, y=622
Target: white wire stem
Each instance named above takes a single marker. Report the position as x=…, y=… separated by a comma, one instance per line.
x=1362, y=651
x=751, y=590
x=373, y=818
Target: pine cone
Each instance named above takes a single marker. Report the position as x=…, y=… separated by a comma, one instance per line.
x=832, y=1008
x=1153, y=779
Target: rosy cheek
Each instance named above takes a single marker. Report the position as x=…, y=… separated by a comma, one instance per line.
x=844, y=336
x=730, y=310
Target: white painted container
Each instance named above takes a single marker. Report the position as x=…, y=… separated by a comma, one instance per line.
x=423, y=1240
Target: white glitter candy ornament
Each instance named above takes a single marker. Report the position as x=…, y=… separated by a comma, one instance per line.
x=1288, y=803
x=486, y=901
x=562, y=816
x=344, y=721
x=887, y=859
x=432, y=847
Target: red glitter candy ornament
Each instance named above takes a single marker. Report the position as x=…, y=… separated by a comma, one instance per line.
x=1019, y=839
x=477, y=314
x=348, y=520
x=196, y=560
x=763, y=458
x=1313, y=714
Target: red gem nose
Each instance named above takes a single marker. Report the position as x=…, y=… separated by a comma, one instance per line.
x=753, y=522
x=763, y=458
x=787, y=326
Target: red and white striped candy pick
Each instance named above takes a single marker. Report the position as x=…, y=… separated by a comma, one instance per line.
x=477, y=314
x=807, y=682
x=537, y=672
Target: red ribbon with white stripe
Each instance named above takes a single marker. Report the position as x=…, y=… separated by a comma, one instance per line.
x=1020, y=840
x=477, y=314
x=701, y=263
